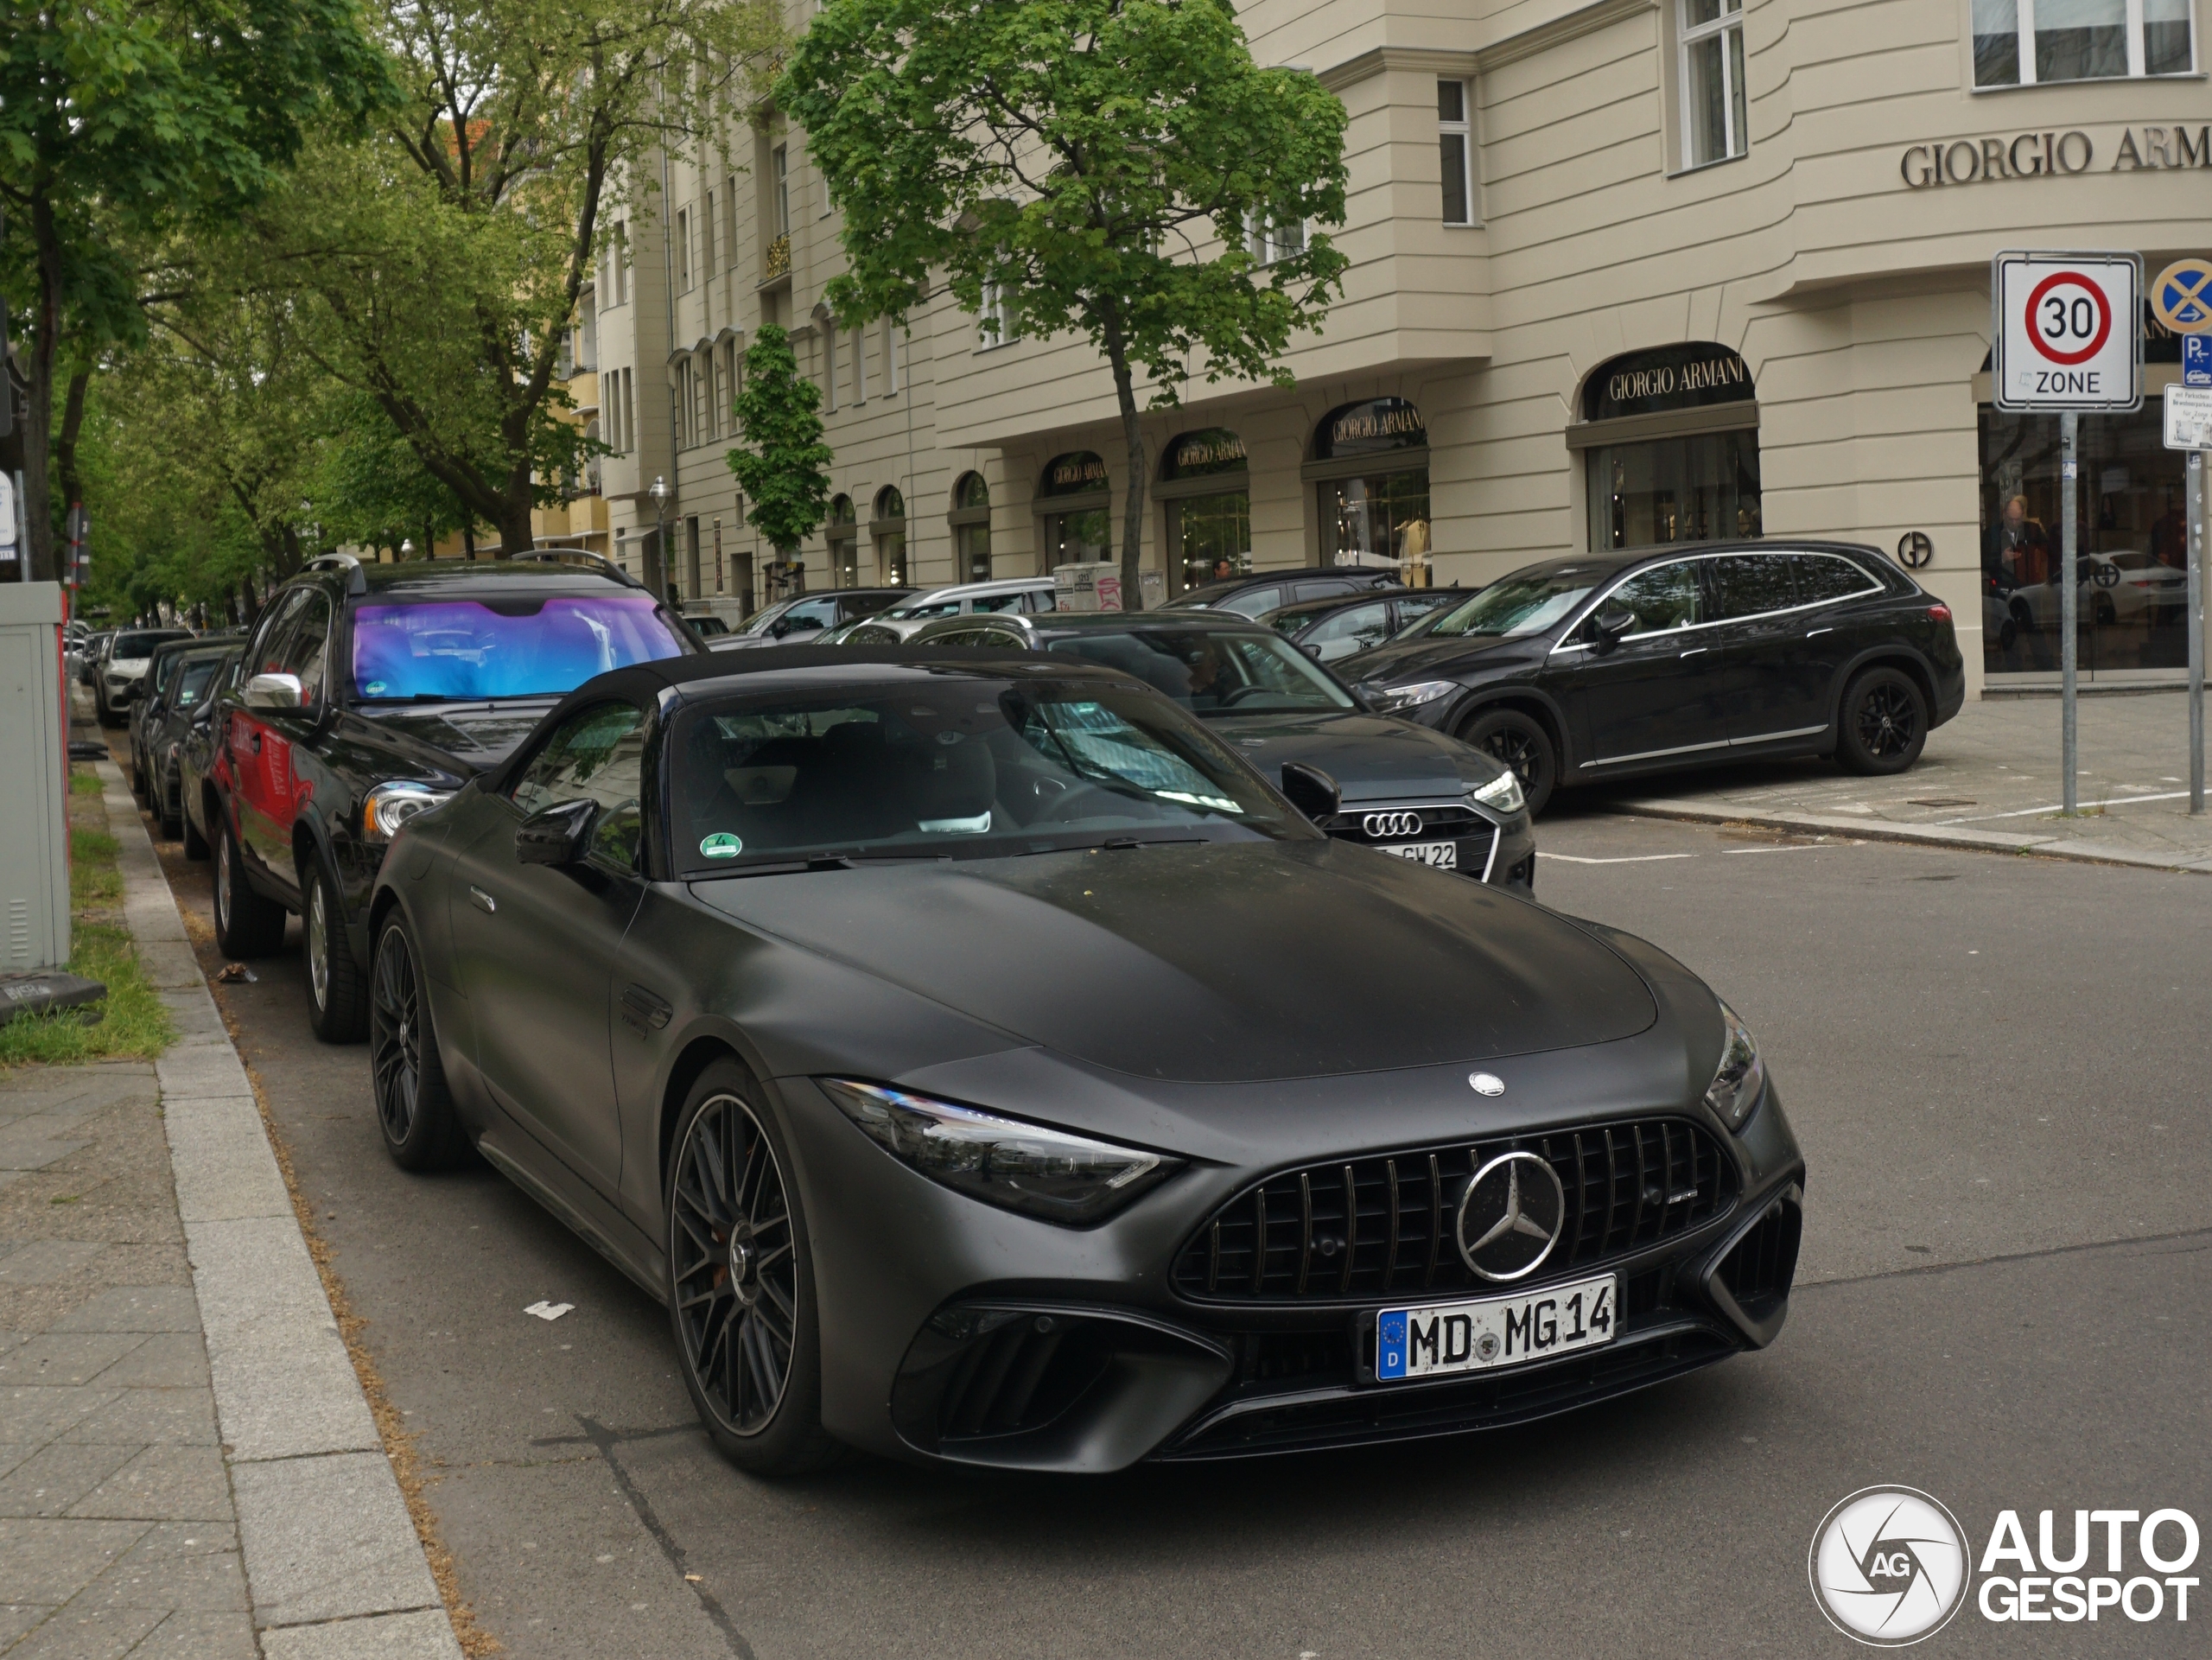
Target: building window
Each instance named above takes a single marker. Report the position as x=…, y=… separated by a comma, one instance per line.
x=616, y=288
x=629, y=412
x=844, y=537
x=890, y=357
x=779, y=189
x=2037, y=42
x=707, y=237
x=729, y=218
x=1455, y=142
x=1271, y=239
x=994, y=320
x=683, y=250
x=972, y=527
x=890, y=532
x=1714, y=125
x=1375, y=509
x=860, y=367
x=828, y=332
x=1205, y=480
x=1658, y=489
x=1075, y=502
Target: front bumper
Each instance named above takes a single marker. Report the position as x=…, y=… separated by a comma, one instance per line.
x=956, y=1332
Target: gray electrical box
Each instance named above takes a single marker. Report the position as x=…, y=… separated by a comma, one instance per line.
x=35, y=798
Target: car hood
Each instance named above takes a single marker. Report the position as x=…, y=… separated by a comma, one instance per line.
x=1372, y=757
x=1397, y=662
x=1217, y=963
x=472, y=737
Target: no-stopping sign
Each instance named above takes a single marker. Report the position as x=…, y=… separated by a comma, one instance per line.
x=2067, y=331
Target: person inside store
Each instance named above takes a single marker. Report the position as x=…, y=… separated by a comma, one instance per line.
x=2015, y=552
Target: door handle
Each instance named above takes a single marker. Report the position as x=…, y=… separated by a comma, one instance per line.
x=483, y=900
x=1809, y=632
x=1697, y=650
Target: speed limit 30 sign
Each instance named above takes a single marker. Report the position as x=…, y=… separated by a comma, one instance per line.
x=2068, y=330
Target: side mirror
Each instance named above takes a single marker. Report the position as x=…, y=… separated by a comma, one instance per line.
x=273, y=691
x=558, y=836
x=1310, y=790
x=1607, y=627
x=1312, y=649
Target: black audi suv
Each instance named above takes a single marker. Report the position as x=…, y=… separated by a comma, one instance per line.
x=1612, y=665
x=369, y=693
x=985, y=1066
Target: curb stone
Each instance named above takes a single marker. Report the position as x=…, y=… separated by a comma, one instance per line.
x=333, y=1568
x=1875, y=829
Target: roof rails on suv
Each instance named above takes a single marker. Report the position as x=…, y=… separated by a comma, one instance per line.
x=599, y=562
x=355, y=582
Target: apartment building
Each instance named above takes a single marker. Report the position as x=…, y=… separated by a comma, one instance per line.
x=1622, y=272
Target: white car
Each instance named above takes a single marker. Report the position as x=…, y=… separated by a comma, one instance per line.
x=2121, y=586
x=122, y=665
x=1026, y=594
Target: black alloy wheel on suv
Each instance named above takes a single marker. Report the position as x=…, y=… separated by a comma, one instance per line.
x=1581, y=670
x=365, y=696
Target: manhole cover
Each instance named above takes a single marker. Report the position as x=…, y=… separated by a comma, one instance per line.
x=1942, y=801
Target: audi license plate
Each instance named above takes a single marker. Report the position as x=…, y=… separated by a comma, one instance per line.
x=1459, y=1337
x=1445, y=856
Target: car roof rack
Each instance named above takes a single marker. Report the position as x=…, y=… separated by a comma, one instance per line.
x=355, y=582
x=580, y=556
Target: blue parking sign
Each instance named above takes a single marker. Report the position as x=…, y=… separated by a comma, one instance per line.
x=2196, y=359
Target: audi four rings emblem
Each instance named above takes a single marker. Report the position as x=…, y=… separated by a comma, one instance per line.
x=1391, y=824
x=1510, y=1217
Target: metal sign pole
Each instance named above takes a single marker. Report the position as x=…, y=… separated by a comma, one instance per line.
x=2196, y=632
x=2069, y=602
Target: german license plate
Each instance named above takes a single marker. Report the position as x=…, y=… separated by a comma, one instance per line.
x=1445, y=856
x=1441, y=1339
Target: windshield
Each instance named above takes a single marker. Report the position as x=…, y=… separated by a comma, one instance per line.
x=1527, y=602
x=523, y=646
x=959, y=768
x=1229, y=673
x=907, y=612
x=131, y=646
x=192, y=684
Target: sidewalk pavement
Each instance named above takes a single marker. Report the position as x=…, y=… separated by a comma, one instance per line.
x=1990, y=780
x=187, y=1463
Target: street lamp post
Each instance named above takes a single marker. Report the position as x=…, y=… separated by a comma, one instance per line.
x=660, y=492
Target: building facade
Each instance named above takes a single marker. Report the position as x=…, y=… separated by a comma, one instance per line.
x=1622, y=272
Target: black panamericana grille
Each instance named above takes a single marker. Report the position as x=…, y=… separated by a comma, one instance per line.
x=1378, y=1226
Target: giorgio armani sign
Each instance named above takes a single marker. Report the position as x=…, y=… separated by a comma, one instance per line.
x=2054, y=155
x=1685, y=377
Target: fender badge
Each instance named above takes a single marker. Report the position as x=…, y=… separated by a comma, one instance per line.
x=1486, y=1083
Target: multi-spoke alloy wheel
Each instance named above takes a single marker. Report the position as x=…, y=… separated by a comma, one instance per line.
x=735, y=1260
x=1885, y=722
x=395, y=1037
x=1888, y=722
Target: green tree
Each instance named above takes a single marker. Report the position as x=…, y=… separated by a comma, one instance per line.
x=1101, y=166
x=439, y=265
x=120, y=119
x=783, y=465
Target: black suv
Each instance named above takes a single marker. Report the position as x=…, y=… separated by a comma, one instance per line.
x=368, y=694
x=1270, y=590
x=1609, y=666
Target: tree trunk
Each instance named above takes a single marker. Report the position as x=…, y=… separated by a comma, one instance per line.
x=515, y=534
x=38, y=428
x=1132, y=498
x=65, y=447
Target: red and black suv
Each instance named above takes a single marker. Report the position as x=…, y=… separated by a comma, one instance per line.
x=369, y=694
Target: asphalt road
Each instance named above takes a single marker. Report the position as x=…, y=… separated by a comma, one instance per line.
x=1995, y=1066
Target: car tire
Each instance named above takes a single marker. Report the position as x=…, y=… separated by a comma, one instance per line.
x=338, y=992
x=246, y=924
x=195, y=844
x=171, y=811
x=139, y=787
x=101, y=712
x=1516, y=739
x=1882, y=725
x=407, y=1075
x=747, y=1329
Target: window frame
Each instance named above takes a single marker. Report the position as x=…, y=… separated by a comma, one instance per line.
x=1687, y=37
x=1464, y=129
x=2025, y=52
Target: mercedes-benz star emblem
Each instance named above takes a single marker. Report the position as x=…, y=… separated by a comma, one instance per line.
x=1510, y=1217
x=1485, y=1082
x=1385, y=825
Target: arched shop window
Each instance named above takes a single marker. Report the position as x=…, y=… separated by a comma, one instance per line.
x=1370, y=461
x=1206, y=484
x=844, y=537
x=1672, y=446
x=1075, y=508
x=888, y=527
x=971, y=520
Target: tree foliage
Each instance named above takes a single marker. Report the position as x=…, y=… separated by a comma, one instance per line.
x=782, y=466
x=438, y=264
x=1098, y=165
x=121, y=120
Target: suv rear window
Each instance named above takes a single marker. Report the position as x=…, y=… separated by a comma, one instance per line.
x=511, y=646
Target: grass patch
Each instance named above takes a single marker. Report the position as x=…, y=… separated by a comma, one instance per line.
x=85, y=781
x=134, y=1023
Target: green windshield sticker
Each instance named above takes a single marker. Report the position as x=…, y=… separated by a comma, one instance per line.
x=375, y=688
x=722, y=845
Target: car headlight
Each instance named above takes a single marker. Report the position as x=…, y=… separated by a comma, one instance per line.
x=388, y=806
x=1421, y=691
x=1051, y=1173
x=1741, y=1079
x=1501, y=794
